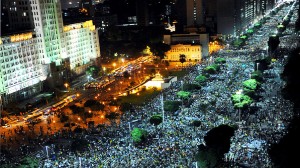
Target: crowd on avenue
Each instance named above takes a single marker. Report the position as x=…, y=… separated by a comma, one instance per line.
x=174, y=143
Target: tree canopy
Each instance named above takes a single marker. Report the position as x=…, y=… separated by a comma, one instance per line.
x=257, y=75
x=183, y=94
x=29, y=162
x=147, y=51
x=182, y=58
x=156, y=119
x=93, y=71
x=201, y=79
x=241, y=100
x=171, y=105
x=138, y=135
x=220, y=60
x=250, y=84
x=211, y=69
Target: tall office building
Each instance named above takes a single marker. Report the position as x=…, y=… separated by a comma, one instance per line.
x=194, y=12
x=51, y=52
x=231, y=17
x=15, y=16
x=89, y=6
x=142, y=14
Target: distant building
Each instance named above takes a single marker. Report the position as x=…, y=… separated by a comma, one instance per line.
x=194, y=15
x=52, y=52
x=231, y=17
x=89, y=6
x=142, y=14
x=16, y=16
x=192, y=38
x=192, y=52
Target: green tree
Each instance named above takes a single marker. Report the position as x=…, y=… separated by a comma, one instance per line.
x=126, y=74
x=147, y=51
x=220, y=60
x=29, y=162
x=76, y=109
x=249, y=86
x=183, y=94
x=63, y=118
x=257, y=75
x=138, y=135
x=160, y=48
x=241, y=100
x=93, y=71
x=182, y=59
x=212, y=69
x=196, y=123
x=201, y=79
x=156, y=119
x=190, y=87
x=207, y=158
x=171, y=105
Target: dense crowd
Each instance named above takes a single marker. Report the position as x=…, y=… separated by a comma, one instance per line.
x=174, y=142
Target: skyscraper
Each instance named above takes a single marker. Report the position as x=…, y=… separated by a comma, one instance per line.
x=15, y=16
x=194, y=12
x=233, y=16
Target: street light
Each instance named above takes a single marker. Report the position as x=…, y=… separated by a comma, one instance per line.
x=114, y=65
x=239, y=93
x=104, y=69
x=47, y=152
x=66, y=85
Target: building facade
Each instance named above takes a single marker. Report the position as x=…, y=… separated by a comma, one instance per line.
x=51, y=52
x=192, y=39
x=21, y=71
x=234, y=16
x=191, y=52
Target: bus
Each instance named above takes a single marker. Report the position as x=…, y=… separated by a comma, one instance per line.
x=59, y=105
x=34, y=119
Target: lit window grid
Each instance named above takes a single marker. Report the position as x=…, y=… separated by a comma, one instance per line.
x=46, y=47
x=192, y=52
x=19, y=64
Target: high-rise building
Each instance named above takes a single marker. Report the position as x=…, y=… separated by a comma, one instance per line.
x=194, y=15
x=15, y=16
x=142, y=14
x=51, y=52
x=89, y=6
x=230, y=17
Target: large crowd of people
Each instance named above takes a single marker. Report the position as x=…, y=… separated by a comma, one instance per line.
x=174, y=142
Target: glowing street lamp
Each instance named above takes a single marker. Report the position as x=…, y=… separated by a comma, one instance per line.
x=114, y=65
x=104, y=69
x=239, y=93
x=66, y=85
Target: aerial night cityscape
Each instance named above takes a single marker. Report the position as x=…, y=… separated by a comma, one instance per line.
x=149, y=83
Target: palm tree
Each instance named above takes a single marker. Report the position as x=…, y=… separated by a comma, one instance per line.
x=182, y=59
